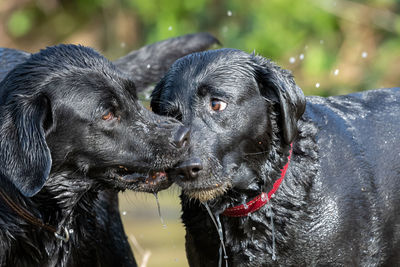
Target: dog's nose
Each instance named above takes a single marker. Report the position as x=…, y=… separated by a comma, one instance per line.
x=190, y=168
x=181, y=137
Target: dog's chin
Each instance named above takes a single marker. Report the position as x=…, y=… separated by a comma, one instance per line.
x=205, y=194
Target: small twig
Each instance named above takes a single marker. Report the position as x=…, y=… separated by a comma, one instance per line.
x=381, y=18
x=144, y=253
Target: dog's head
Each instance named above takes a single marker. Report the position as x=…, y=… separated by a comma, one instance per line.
x=68, y=110
x=242, y=111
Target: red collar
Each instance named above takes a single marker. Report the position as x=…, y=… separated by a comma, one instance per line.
x=260, y=200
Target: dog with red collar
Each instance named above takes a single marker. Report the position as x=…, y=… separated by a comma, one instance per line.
x=288, y=180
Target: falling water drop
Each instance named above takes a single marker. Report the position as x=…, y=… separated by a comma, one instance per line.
x=229, y=13
x=148, y=66
x=301, y=57
x=317, y=85
x=218, y=226
x=336, y=72
x=159, y=211
x=364, y=54
x=292, y=60
x=170, y=28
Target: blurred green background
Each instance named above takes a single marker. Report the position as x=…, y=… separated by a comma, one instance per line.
x=332, y=47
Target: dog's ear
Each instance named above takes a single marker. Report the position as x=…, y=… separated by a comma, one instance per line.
x=24, y=155
x=148, y=64
x=155, y=102
x=277, y=85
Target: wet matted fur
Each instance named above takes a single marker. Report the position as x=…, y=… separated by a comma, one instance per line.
x=72, y=135
x=339, y=204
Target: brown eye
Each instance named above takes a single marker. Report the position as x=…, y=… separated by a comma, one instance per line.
x=217, y=105
x=107, y=117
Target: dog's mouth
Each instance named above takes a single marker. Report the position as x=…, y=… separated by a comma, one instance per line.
x=143, y=180
x=204, y=194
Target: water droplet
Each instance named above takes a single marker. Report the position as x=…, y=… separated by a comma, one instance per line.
x=71, y=231
x=170, y=28
x=301, y=56
x=159, y=211
x=229, y=13
x=123, y=44
x=364, y=54
x=218, y=226
x=124, y=213
x=292, y=60
x=321, y=41
x=317, y=85
x=253, y=228
x=336, y=72
x=148, y=66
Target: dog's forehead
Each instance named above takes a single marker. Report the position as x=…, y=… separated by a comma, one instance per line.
x=225, y=69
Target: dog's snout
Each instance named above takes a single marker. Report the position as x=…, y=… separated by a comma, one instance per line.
x=190, y=168
x=181, y=138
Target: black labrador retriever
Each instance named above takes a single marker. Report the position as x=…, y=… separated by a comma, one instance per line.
x=73, y=134
x=291, y=181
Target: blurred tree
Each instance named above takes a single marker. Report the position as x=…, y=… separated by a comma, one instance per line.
x=332, y=46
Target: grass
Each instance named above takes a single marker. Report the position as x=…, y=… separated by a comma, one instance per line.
x=142, y=223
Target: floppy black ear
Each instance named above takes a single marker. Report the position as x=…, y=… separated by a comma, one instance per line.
x=155, y=103
x=24, y=155
x=148, y=64
x=278, y=86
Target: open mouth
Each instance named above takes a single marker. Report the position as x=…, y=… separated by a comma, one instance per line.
x=146, y=181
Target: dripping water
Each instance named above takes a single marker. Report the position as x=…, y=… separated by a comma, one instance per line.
x=271, y=214
x=159, y=211
x=218, y=226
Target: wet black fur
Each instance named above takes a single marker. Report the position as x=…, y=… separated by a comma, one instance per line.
x=61, y=161
x=339, y=204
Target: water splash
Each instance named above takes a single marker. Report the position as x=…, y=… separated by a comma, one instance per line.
x=218, y=226
x=159, y=211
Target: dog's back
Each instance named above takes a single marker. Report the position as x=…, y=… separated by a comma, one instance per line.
x=359, y=175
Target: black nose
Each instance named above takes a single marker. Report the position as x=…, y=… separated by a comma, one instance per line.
x=190, y=168
x=181, y=137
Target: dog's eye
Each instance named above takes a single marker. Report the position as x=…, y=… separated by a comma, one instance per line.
x=107, y=117
x=217, y=105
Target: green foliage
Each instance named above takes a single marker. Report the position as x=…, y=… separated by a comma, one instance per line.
x=20, y=22
x=310, y=37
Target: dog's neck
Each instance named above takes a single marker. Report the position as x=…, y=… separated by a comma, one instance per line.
x=266, y=229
